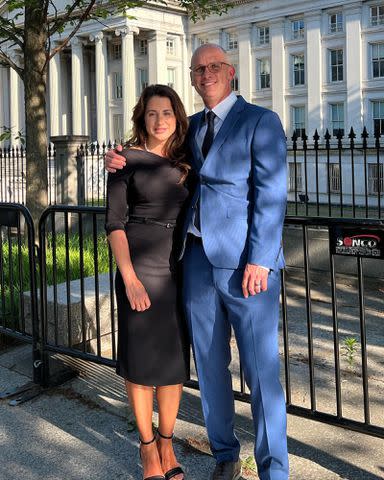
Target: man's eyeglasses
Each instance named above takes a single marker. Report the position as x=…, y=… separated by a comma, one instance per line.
x=213, y=67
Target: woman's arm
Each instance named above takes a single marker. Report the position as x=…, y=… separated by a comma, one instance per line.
x=136, y=293
x=116, y=218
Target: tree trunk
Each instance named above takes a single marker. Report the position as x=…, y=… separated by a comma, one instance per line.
x=35, y=82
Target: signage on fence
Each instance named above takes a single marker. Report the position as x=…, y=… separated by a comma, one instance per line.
x=357, y=241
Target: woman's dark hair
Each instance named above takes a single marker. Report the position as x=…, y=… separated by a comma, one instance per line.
x=174, y=149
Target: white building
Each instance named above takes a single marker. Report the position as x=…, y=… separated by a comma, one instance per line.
x=318, y=64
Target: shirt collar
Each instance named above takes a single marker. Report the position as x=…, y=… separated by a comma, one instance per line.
x=222, y=109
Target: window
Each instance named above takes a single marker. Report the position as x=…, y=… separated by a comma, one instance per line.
x=334, y=177
x=202, y=41
x=143, y=46
x=377, y=15
x=116, y=51
x=263, y=35
x=298, y=70
x=264, y=73
x=171, y=77
x=336, y=22
x=117, y=85
x=235, y=80
x=298, y=120
x=118, y=127
x=297, y=29
x=232, y=41
x=378, y=116
x=336, y=60
x=374, y=179
x=295, y=177
x=337, y=118
x=170, y=46
x=377, y=60
x=143, y=80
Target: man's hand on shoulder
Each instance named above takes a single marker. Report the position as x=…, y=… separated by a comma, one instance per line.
x=255, y=279
x=114, y=161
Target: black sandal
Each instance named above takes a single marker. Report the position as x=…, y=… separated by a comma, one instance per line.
x=173, y=471
x=154, y=477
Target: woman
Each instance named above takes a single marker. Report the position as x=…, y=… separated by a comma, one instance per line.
x=152, y=346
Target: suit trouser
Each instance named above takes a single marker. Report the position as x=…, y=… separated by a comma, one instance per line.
x=214, y=303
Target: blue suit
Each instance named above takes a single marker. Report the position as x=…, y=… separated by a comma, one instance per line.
x=242, y=188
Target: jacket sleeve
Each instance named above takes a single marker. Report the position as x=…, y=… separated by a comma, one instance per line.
x=268, y=191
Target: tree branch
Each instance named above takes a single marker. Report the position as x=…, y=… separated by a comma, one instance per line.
x=7, y=61
x=10, y=31
x=64, y=18
x=83, y=17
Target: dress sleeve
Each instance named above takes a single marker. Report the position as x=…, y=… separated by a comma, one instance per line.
x=117, y=200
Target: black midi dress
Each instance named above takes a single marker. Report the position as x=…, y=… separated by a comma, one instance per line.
x=153, y=347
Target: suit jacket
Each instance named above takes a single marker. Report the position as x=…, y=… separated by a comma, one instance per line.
x=242, y=184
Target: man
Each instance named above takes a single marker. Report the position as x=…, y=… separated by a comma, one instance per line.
x=232, y=259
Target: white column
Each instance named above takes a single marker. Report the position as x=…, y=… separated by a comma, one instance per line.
x=14, y=102
x=54, y=95
x=4, y=99
x=101, y=86
x=187, y=89
x=314, y=73
x=245, y=63
x=157, y=53
x=128, y=74
x=78, y=107
x=353, y=70
x=278, y=69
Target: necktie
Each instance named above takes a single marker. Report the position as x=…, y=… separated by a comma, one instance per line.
x=209, y=134
x=207, y=143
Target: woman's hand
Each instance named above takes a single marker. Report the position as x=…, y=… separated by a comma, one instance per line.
x=137, y=295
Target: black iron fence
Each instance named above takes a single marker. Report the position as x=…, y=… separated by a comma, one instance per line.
x=332, y=312
x=339, y=176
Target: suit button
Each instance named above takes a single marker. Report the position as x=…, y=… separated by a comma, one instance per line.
x=203, y=182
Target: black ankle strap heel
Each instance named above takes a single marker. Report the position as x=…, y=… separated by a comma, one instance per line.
x=155, y=477
x=165, y=436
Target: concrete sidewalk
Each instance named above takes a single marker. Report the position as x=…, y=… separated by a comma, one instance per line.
x=82, y=430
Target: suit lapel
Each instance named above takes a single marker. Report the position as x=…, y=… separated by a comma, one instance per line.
x=228, y=125
x=192, y=130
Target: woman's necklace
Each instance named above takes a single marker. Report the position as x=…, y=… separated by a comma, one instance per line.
x=146, y=148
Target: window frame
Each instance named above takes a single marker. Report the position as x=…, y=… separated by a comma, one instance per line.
x=380, y=117
x=300, y=72
x=337, y=26
x=298, y=127
x=232, y=41
x=338, y=68
x=265, y=76
x=379, y=16
x=340, y=107
x=374, y=179
x=299, y=32
x=379, y=60
x=265, y=36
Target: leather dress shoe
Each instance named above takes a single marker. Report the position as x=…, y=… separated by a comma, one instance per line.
x=227, y=471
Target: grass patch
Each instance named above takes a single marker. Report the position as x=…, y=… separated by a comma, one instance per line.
x=60, y=262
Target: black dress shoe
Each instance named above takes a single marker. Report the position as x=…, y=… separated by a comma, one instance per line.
x=227, y=471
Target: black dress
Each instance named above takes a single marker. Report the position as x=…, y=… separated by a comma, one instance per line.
x=152, y=345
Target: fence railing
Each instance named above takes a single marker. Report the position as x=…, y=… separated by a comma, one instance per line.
x=339, y=176
x=321, y=310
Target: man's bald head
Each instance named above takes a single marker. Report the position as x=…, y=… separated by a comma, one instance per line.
x=208, y=46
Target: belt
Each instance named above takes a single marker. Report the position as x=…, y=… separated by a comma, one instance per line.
x=150, y=221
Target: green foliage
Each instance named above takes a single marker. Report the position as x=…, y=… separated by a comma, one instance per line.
x=15, y=279
x=349, y=348
x=7, y=135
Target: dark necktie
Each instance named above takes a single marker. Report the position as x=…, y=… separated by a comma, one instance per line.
x=209, y=134
x=207, y=143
